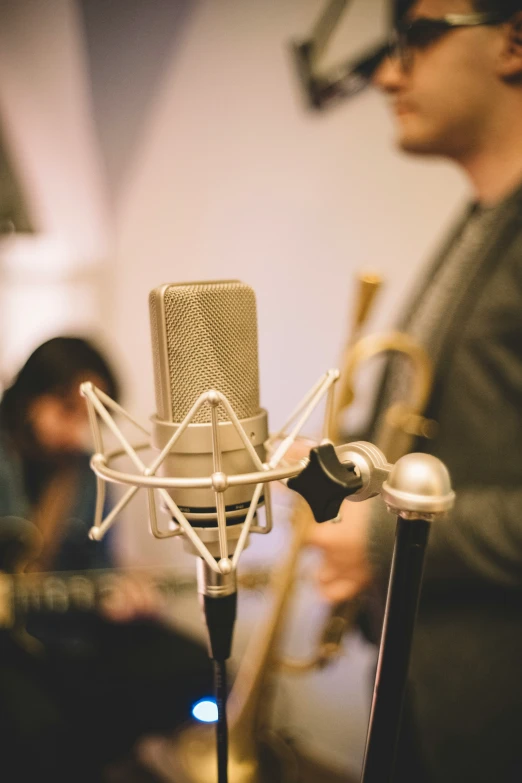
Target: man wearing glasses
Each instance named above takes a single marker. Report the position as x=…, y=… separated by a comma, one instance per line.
x=453, y=76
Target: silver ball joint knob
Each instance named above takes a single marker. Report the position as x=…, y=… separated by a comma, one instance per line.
x=418, y=487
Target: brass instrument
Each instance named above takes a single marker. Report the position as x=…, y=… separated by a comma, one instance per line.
x=342, y=615
x=255, y=754
x=369, y=285
x=402, y=421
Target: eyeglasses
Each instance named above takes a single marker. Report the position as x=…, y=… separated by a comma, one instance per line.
x=424, y=31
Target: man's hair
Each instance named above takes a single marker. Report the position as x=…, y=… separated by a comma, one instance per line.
x=54, y=368
x=503, y=7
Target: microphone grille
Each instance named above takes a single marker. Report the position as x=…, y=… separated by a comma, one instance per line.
x=204, y=336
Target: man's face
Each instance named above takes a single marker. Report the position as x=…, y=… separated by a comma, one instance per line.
x=444, y=102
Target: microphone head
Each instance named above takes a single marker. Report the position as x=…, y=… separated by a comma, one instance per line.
x=204, y=336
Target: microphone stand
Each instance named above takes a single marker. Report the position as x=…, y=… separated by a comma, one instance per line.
x=394, y=654
x=218, y=594
x=418, y=489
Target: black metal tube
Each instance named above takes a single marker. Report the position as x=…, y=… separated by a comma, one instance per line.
x=220, y=681
x=220, y=617
x=394, y=654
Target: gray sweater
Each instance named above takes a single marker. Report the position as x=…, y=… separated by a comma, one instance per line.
x=466, y=685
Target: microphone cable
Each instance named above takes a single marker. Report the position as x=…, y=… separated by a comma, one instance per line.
x=220, y=685
x=220, y=616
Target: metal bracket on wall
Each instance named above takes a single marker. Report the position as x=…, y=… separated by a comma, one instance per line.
x=322, y=88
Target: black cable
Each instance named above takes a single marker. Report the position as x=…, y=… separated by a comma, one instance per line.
x=220, y=615
x=220, y=685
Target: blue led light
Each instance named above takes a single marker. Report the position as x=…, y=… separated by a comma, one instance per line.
x=205, y=710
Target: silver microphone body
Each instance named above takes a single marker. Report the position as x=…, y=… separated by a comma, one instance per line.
x=204, y=337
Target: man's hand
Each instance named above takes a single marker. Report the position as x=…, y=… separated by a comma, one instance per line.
x=345, y=570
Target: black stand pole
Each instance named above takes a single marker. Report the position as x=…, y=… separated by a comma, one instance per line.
x=394, y=653
x=220, y=615
x=220, y=679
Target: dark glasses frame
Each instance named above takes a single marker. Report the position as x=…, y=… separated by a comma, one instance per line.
x=421, y=32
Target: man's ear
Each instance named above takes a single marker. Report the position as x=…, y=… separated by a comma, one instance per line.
x=510, y=64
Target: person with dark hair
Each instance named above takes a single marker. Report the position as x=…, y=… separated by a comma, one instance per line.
x=505, y=8
x=453, y=78
x=44, y=464
x=81, y=687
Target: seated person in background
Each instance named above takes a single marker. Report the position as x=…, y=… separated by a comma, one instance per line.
x=99, y=680
x=44, y=465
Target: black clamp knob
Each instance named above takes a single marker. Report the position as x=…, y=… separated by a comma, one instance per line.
x=326, y=482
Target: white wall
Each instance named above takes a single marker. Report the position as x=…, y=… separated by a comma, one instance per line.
x=50, y=282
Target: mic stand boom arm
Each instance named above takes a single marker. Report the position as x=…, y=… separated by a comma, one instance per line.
x=345, y=80
x=418, y=490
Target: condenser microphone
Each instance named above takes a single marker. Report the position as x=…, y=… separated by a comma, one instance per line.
x=204, y=337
